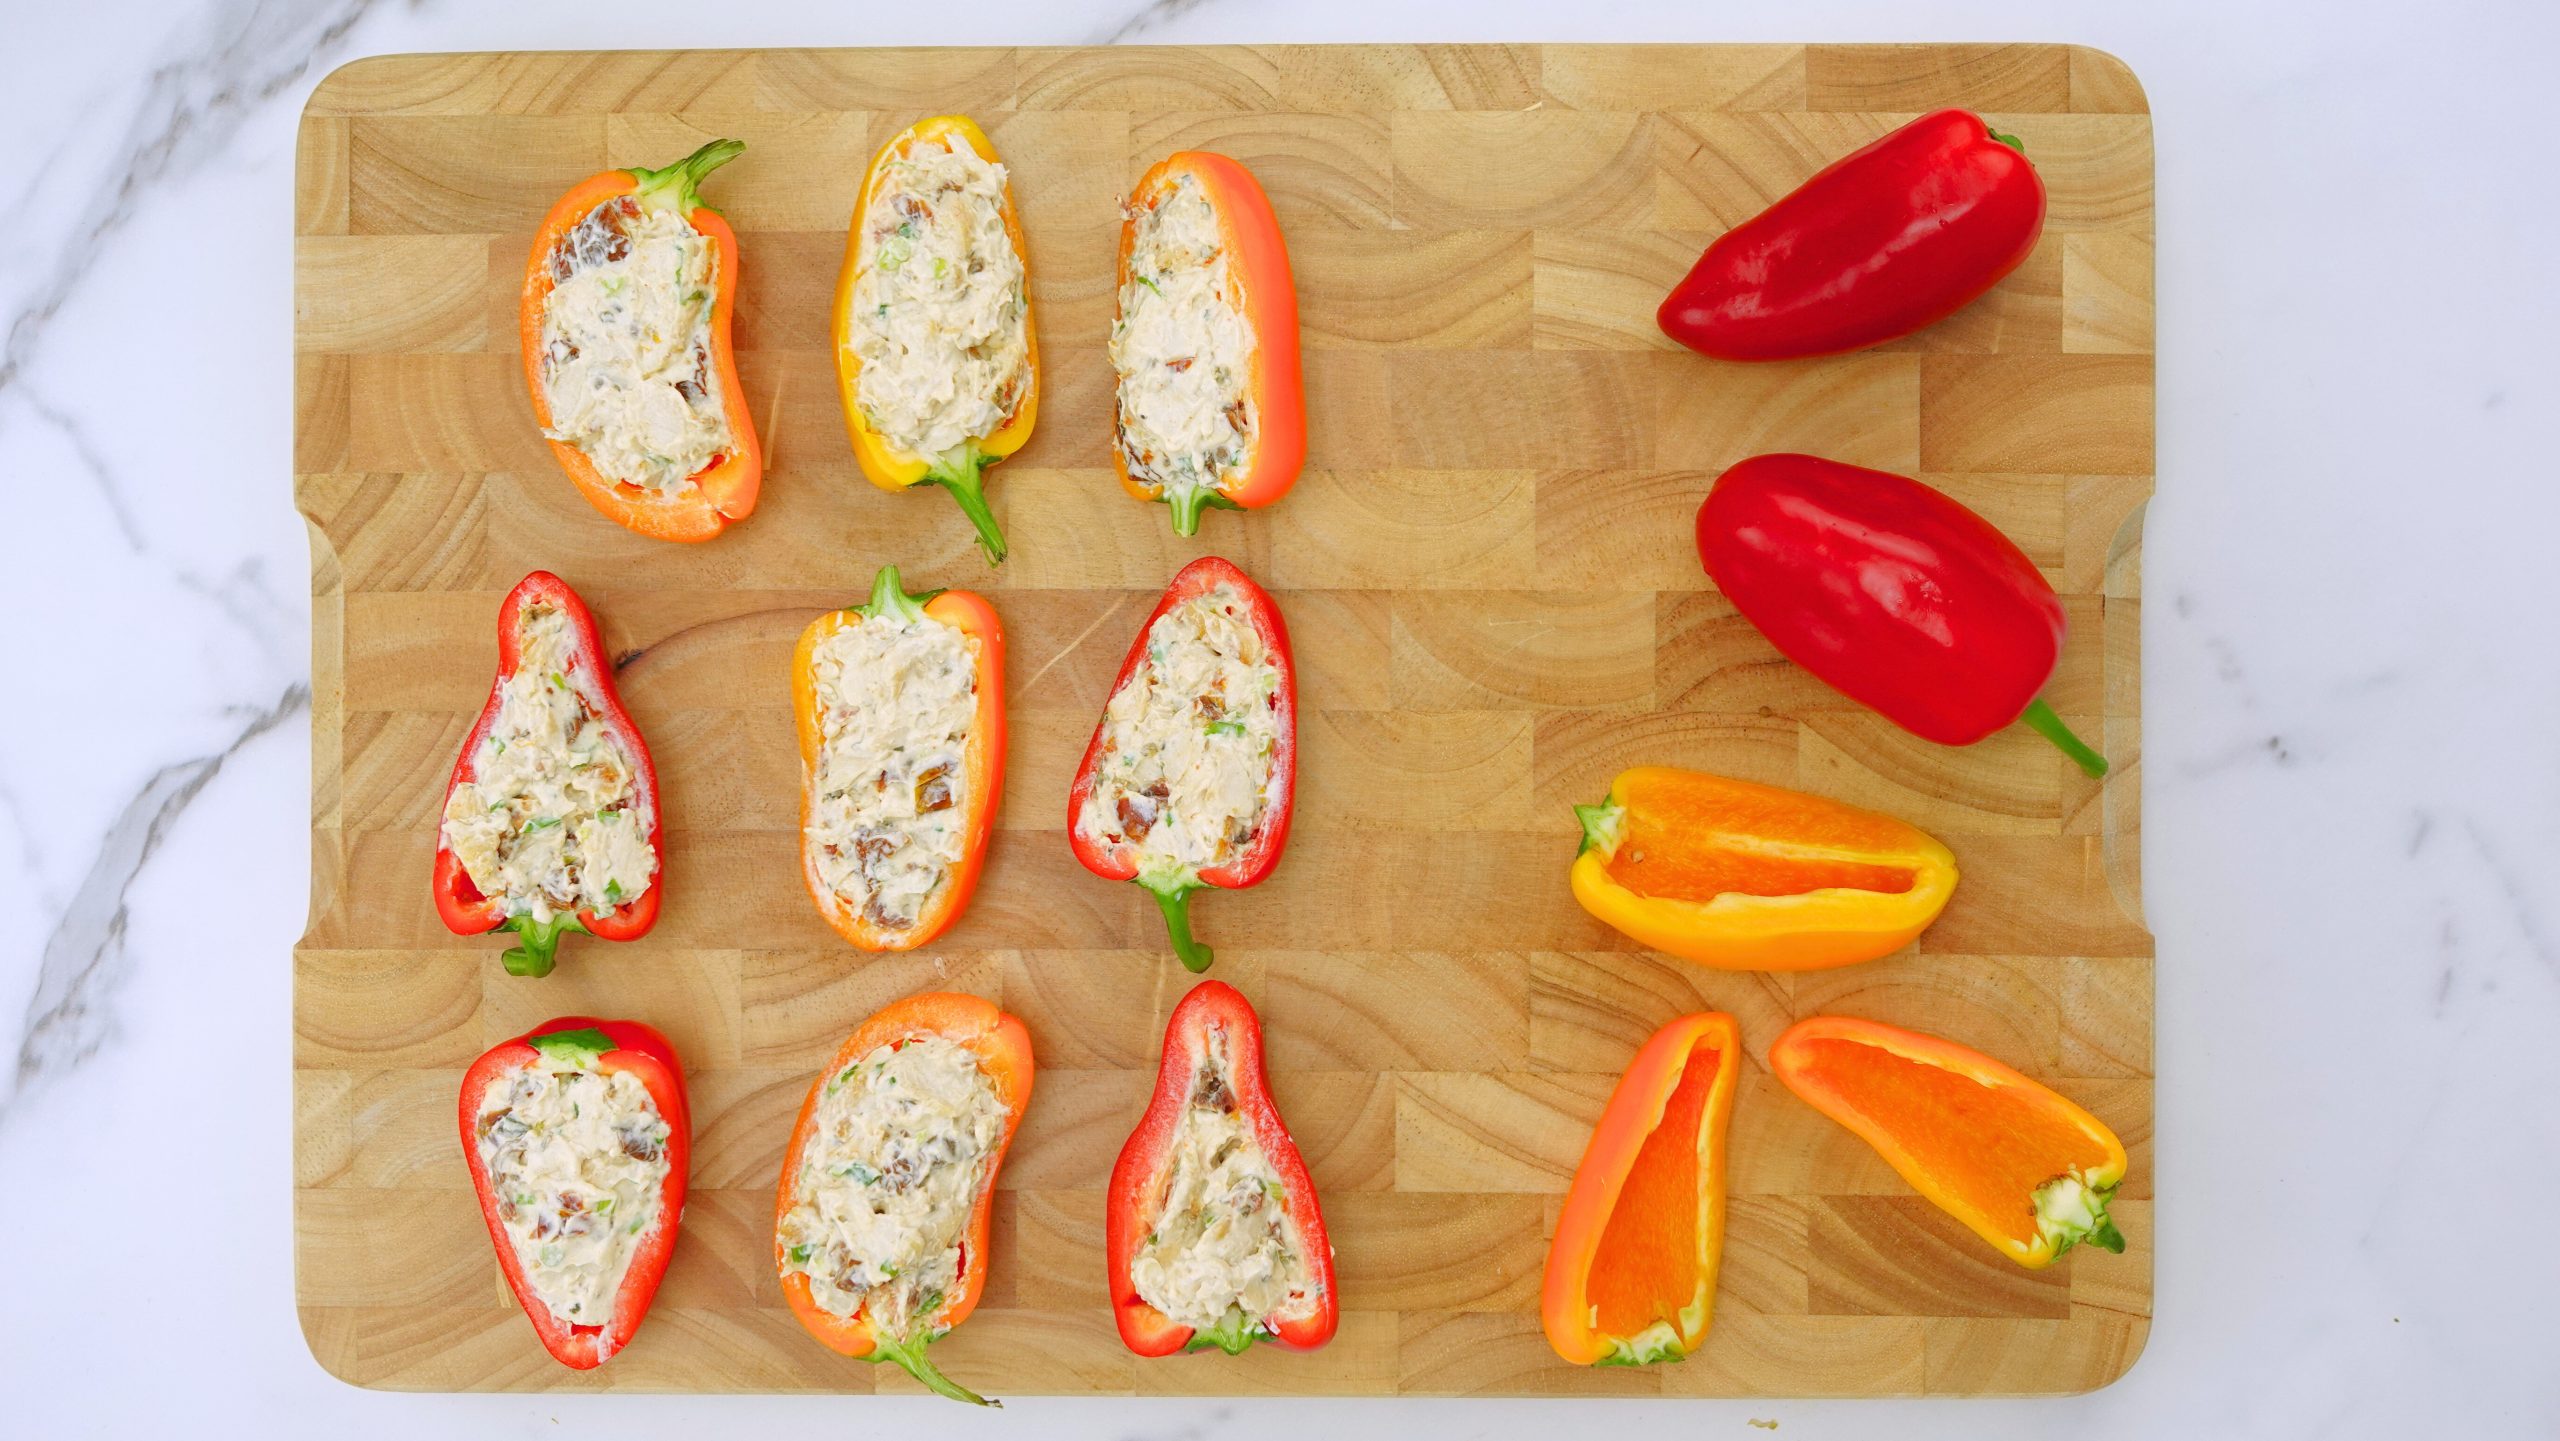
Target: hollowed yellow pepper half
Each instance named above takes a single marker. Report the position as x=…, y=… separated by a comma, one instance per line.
x=1749, y=877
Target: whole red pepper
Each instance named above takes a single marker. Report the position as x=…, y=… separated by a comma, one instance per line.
x=459, y=903
x=1114, y=858
x=605, y=1047
x=1138, y=1182
x=1893, y=237
x=1893, y=594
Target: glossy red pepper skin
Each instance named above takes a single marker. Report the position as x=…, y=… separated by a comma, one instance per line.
x=1888, y=239
x=647, y=1055
x=1138, y=1181
x=1893, y=594
x=1256, y=859
x=459, y=904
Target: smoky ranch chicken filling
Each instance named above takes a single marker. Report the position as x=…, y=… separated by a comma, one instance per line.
x=576, y=1159
x=550, y=819
x=1182, y=348
x=626, y=346
x=899, y=1149
x=938, y=321
x=890, y=805
x=1187, y=770
x=1221, y=1246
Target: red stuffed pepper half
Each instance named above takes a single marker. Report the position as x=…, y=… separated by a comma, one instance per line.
x=579, y=1139
x=1190, y=774
x=1214, y=1237
x=550, y=821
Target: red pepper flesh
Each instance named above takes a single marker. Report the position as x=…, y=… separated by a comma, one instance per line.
x=1138, y=1182
x=1891, y=238
x=1255, y=858
x=1893, y=594
x=610, y=1046
x=463, y=909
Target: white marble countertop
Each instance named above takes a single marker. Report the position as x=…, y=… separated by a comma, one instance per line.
x=2352, y=712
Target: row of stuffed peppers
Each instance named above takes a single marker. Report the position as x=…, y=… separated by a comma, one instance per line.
x=578, y=1139
x=630, y=291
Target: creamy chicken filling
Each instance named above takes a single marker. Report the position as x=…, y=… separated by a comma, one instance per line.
x=576, y=1160
x=1188, y=768
x=626, y=346
x=1221, y=1249
x=1183, y=348
x=902, y=1144
x=897, y=699
x=550, y=819
x=938, y=320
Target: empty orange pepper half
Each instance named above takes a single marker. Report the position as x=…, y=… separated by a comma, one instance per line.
x=1748, y=877
x=1271, y=421
x=2025, y=1168
x=1631, y=1275
x=961, y=469
x=723, y=492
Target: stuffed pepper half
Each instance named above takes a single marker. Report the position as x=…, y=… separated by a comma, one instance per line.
x=1211, y=408
x=578, y=1140
x=1188, y=779
x=551, y=816
x=900, y=711
x=880, y=1226
x=936, y=359
x=624, y=321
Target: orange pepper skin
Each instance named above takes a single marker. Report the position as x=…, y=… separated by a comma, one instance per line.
x=723, y=492
x=2021, y=1165
x=961, y=471
x=1631, y=1274
x=1003, y=1049
x=1748, y=877
x=982, y=759
x=1267, y=296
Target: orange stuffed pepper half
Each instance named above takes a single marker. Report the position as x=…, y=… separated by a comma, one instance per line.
x=1631, y=1274
x=881, y=1223
x=1747, y=877
x=1212, y=410
x=899, y=706
x=624, y=322
x=936, y=357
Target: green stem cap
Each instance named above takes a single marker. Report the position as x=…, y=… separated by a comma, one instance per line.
x=908, y=1353
x=2012, y=141
x=962, y=470
x=1234, y=1334
x=1173, y=897
x=680, y=184
x=888, y=598
x=1603, y=826
x=1187, y=501
x=538, y=949
x=2050, y=726
x=579, y=1048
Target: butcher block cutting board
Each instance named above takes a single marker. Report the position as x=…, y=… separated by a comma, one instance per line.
x=1489, y=575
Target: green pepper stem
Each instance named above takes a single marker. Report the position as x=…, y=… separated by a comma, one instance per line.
x=889, y=598
x=909, y=1355
x=962, y=470
x=1602, y=827
x=2012, y=141
x=539, y=947
x=1173, y=897
x=680, y=184
x=1234, y=1334
x=2050, y=726
x=1187, y=501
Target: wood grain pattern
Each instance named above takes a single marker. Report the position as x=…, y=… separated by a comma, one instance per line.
x=1496, y=604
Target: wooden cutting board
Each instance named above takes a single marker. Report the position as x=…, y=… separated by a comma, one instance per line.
x=1489, y=574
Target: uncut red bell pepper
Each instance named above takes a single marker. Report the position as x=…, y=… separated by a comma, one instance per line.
x=1105, y=848
x=1893, y=594
x=1139, y=1180
x=459, y=903
x=1888, y=239
x=606, y=1047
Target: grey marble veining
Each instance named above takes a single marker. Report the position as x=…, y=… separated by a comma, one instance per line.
x=2352, y=798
